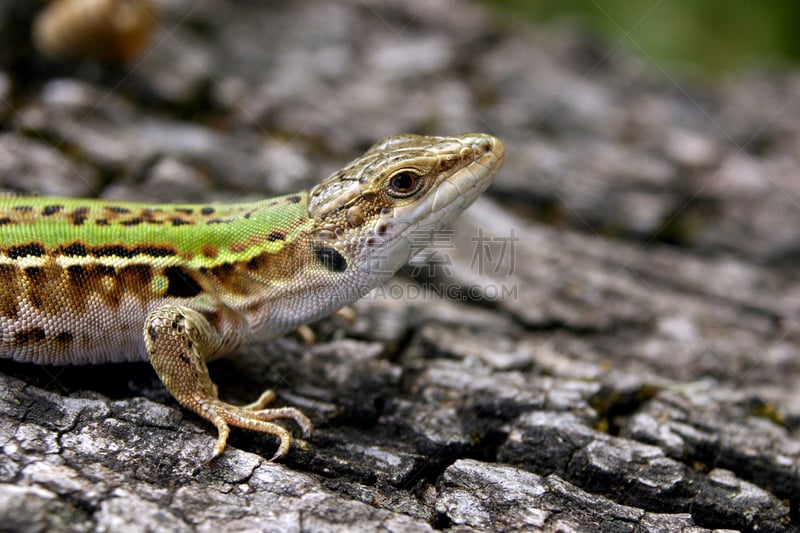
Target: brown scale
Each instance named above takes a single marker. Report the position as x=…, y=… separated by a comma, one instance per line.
x=209, y=251
x=84, y=280
x=78, y=249
x=36, y=335
x=255, y=240
x=114, y=214
x=63, y=340
x=283, y=266
x=81, y=282
x=245, y=277
x=9, y=292
x=136, y=278
x=171, y=215
x=229, y=278
x=43, y=287
x=79, y=215
x=49, y=286
x=29, y=336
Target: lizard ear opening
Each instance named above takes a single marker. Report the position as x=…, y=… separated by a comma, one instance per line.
x=331, y=259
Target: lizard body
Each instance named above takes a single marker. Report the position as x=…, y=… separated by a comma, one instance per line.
x=94, y=281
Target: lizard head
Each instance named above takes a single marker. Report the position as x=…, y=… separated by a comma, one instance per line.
x=383, y=207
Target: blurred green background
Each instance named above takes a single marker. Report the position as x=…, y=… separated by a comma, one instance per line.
x=705, y=37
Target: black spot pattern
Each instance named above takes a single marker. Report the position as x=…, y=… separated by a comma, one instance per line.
x=180, y=283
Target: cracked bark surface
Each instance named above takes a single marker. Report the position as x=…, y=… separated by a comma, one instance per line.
x=634, y=368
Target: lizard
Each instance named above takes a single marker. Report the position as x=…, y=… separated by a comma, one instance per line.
x=86, y=281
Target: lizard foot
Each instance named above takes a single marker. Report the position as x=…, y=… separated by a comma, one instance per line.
x=178, y=340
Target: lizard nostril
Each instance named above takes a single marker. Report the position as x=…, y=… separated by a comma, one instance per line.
x=481, y=146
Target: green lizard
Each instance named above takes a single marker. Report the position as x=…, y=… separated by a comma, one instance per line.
x=95, y=281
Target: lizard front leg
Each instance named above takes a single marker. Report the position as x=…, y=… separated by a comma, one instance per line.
x=178, y=341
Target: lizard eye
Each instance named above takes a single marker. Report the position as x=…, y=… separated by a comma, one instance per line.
x=404, y=183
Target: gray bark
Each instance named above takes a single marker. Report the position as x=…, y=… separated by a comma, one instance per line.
x=619, y=351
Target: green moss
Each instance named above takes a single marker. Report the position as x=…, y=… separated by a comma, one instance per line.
x=713, y=36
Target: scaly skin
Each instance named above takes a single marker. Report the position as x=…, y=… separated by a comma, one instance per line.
x=93, y=281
